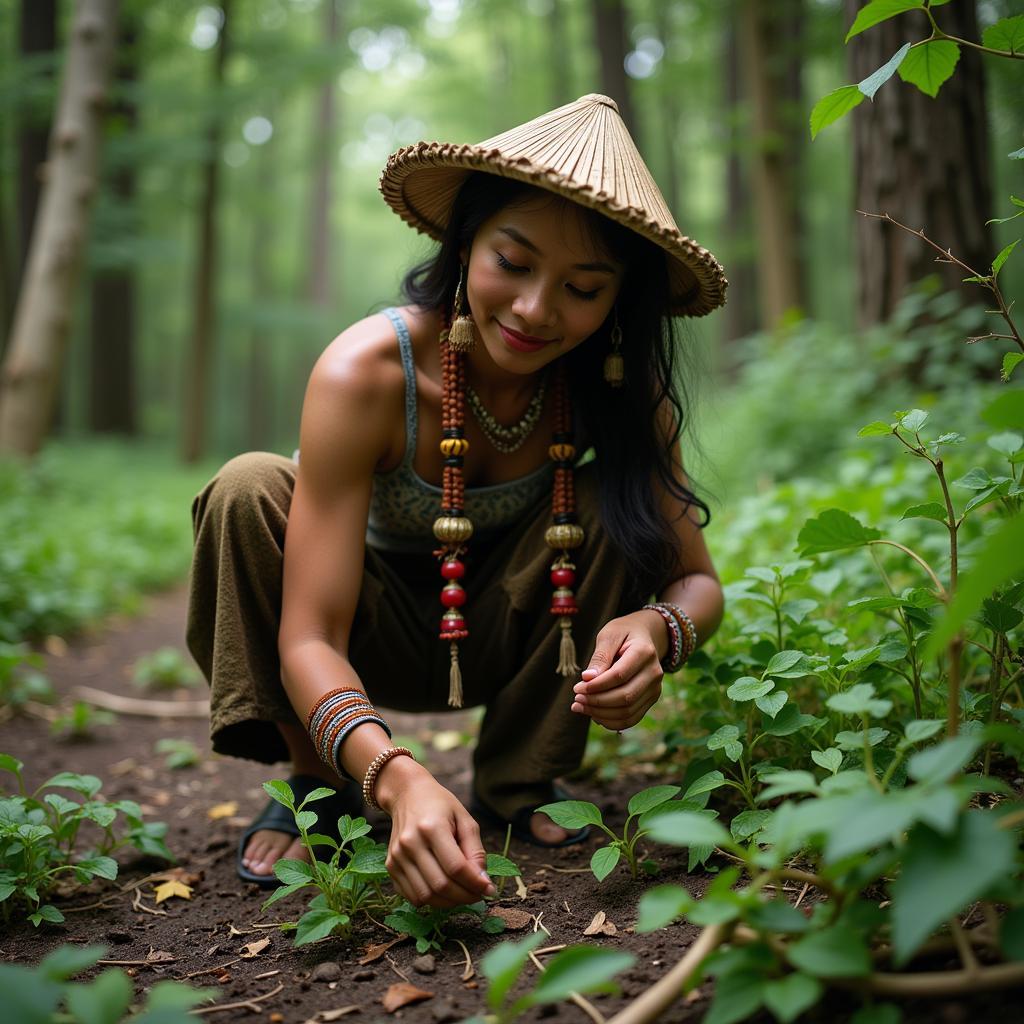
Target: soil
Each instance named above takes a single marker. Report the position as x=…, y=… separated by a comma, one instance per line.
x=204, y=939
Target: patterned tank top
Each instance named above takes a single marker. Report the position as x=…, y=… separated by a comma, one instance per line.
x=403, y=506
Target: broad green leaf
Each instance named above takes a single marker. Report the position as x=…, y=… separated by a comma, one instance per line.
x=975, y=479
x=929, y=510
x=1005, y=34
x=790, y=996
x=370, y=860
x=580, y=969
x=922, y=729
x=90, y=785
x=833, y=106
x=1006, y=410
x=835, y=952
x=103, y=1001
x=748, y=823
x=771, y=704
x=46, y=913
x=833, y=530
x=1011, y=360
x=11, y=764
x=318, y=794
x=661, y=906
x=1004, y=254
x=1007, y=443
x=722, y=736
x=870, y=85
x=67, y=961
x=318, y=924
x=350, y=830
x=686, y=828
x=1017, y=154
x=305, y=819
x=501, y=966
x=790, y=720
x=501, y=867
x=279, y=790
x=786, y=783
x=737, y=995
x=784, y=662
x=604, y=861
x=777, y=916
x=281, y=892
x=860, y=700
x=1000, y=616
x=293, y=872
x=572, y=814
x=943, y=761
x=831, y=759
x=929, y=65
x=850, y=740
x=647, y=799
x=870, y=818
x=167, y=996
x=747, y=688
x=913, y=420
x=705, y=784
x=101, y=867
x=875, y=429
x=943, y=874
x=878, y=11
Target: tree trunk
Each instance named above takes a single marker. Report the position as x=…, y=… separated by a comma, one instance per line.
x=763, y=47
x=112, y=396
x=670, y=121
x=924, y=161
x=200, y=357
x=609, y=17
x=559, y=58
x=42, y=320
x=260, y=406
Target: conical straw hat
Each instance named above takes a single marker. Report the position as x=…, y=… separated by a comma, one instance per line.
x=581, y=151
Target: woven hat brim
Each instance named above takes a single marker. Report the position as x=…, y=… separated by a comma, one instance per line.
x=420, y=183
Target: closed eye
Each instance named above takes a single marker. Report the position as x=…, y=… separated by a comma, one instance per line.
x=513, y=268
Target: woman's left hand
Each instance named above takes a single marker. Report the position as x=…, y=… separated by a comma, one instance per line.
x=623, y=680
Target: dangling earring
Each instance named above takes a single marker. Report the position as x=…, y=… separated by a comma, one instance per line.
x=462, y=335
x=614, y=367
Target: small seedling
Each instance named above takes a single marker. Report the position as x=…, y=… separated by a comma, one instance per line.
x=427, y=924
x=80, y=721
x=344, y=890
x=180, y=753
x=164, y=669
x=573, y=814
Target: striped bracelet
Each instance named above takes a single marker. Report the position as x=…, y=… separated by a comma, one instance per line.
x=687, y=627
x=673, y=659
x=333, y=717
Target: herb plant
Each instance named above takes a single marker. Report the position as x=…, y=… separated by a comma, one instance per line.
x=180, y=753
x=80, y=720
x=42, y=840
x=164, y=669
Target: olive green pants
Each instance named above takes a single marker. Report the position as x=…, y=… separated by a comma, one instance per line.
x=528, y=736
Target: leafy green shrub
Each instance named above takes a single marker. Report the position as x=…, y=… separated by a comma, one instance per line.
x=79, y=721
x=180, y=753
x=44, y=993
x=165, y=669
x=41, y=840
x=427, y=924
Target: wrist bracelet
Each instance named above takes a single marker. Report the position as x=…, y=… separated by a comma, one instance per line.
x=686, y=625
x=674, y=658
x=370, y=779
x=334, y=715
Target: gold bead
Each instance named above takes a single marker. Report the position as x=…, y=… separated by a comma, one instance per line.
x=564, y=535
x=461, y=336
x=452, y=529
x=454, y=446
x=562, y=452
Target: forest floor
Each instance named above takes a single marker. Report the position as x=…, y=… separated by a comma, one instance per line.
x=217, y=937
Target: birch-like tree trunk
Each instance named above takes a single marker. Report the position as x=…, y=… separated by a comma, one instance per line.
x=42, y=320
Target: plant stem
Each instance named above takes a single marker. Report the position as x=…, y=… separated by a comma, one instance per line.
x=869, y=757
x=940, y=590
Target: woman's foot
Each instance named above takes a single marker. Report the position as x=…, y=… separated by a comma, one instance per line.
x=546, y=831
x=266, y=847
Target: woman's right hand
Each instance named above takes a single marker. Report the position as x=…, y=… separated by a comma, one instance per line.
x=435, y=855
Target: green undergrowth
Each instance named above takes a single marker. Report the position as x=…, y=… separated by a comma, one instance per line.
x=87, y=528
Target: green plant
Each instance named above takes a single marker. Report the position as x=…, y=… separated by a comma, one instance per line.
x=164, y=669
x=79, y=721
x=348, y=884
x=19, y=683
x=180, y=753
x=45, y=993
x=574, y=971
x=573, y=814
x=427, y=924
x=41, y=839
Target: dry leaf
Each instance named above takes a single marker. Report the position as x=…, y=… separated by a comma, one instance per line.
x=183, y=875
x=255, y=948
x=372, y=953
x=450, y=739
x=515, y=920
x=521, y=890
x=225, y=810
x=402, y=994
x=170, y=888
x=600, y=925
x=159, y=956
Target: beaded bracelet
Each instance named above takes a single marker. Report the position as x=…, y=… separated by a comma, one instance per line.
x=674, y=658
x=370, y=779
x=333, y=717
x=687, y=627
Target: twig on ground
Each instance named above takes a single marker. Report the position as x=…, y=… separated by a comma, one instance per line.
x=137, y=904
x=467, y=974
x=803, y=893
x=242, y=1004
x=397, y=969
x=143, y=707
x=213, y=970
x=548, y=949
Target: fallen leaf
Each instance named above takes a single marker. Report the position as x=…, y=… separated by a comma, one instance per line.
x=255, y=948
x=56, y=646
x=225, y=810
x=173, y=887
x=402, y=994
x=449, y=739
x=159, y=956
x=600, y=925
x=521, y=889
x=183, y=875
x=515, y=920
x=372, y=953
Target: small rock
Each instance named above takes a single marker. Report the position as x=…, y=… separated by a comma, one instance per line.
x=364, y=975
x=425, y=964
x=444, y=1012
x=117, y=935
x=327, y=971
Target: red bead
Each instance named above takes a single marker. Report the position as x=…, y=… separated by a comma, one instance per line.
x=563, y=602
x=563, y=577
x=453, y=596
x=453, y=569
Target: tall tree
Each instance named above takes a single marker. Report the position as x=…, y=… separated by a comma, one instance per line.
x=668, y=114
x=560, y=60
x=200, y=356
x=924, y=161
x=768, y=50
x=112, y=393
x=42, y=320
x=609, y=18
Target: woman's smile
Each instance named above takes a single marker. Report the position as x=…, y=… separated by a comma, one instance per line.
x=522, y=342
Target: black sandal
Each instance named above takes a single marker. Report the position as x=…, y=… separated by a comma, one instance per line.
x=276, y=817
x=520, y=820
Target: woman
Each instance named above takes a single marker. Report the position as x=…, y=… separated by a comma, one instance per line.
x=551, y=293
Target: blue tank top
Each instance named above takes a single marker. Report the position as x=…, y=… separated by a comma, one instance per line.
x=403, y=505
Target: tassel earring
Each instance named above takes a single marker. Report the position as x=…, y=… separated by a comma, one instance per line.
x=462, y=334
x=614, y=367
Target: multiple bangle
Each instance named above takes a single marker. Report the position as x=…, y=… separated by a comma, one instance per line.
x=682, y=634
x=329, y=722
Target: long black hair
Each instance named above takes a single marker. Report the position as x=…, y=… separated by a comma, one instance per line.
x=621, y=423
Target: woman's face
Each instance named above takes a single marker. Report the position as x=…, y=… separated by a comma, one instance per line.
x=538, y=284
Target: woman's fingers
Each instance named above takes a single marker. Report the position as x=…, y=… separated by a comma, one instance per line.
x=631, y=661
x=645, y=684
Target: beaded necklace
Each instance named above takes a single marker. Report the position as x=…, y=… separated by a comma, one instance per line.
x=511, y=438
x=453, y=528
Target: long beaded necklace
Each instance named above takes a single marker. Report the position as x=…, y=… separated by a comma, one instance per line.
x=511, y=438
x=453, y=528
